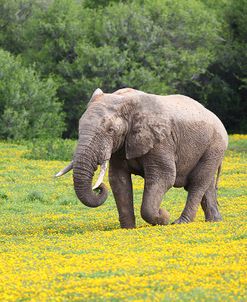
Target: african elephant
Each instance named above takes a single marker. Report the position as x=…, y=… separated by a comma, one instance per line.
x=171, y=141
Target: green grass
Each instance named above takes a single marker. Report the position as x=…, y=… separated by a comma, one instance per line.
x=52, y=248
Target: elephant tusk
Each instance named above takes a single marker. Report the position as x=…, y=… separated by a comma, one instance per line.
x=103, y=168
x=65, y=170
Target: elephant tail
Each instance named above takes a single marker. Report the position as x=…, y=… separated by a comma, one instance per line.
x=218, y=177
x=217, y=180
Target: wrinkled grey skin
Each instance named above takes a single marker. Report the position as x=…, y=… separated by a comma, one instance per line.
x=171, y=141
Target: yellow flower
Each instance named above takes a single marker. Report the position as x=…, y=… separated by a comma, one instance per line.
x=55, y=249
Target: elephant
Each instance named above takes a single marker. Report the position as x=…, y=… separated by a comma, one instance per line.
x=170, y=141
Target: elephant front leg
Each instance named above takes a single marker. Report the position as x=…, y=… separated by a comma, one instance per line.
x=160, y=174
x=121, y=185
x=152, y=198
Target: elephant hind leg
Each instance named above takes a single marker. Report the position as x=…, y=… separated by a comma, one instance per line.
x=200, y=188
x=209, y=204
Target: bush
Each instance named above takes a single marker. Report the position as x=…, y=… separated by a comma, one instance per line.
x=35, y=196
x=223, y=87
x=3, y=196
x=57, y=149
x=28, y=105
x=190, y=47
x=155, y=46
x=13, y=15
x=164, y=43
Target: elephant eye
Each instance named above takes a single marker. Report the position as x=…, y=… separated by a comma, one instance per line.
x=110, y=130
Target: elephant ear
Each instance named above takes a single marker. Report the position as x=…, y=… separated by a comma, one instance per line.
x=95, y=96
x=145, y=132
x=97, y=92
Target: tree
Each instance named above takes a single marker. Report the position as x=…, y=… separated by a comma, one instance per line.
x=13, y=15
x=50, y=37
x=142, y=45
x=190, y=47
x=223, y=87
x=28, y=105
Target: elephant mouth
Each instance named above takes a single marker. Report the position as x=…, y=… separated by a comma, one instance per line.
x=102, y=162
x=103, y=167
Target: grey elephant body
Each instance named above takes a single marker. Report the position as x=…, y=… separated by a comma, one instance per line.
x=168, y=140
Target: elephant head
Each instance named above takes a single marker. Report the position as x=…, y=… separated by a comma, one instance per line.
x=111, y=121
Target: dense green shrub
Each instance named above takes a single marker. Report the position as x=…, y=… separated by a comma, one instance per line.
x=156, y=46
x=159, y=39
x=35, y=196
x=51, y=35
x=13, y=15
x=28, y=105
x=223, y=87
x=192, y=47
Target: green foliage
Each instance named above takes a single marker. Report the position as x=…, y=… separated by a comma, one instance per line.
x=223, y=88
x=3, y=196
x=56, y=149
x=28, y=105
x=161, y=47
x=51, y=35
x=35, y=196
x=13, y=14
x=190, y=47
x=145, y=46
x=100, y=3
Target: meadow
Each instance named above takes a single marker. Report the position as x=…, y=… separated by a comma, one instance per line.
x=52, y=248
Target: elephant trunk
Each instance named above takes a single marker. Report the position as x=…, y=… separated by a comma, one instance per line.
x=84, y=166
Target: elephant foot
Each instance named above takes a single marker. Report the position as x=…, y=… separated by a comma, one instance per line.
x=213, y=218
x=164, y=217
x=127, y=222
x=212, y=214
x=128, y=226
x=181, y=220
x=159, y=218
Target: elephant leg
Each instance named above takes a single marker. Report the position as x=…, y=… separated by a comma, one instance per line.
x=159, y=178
x=152, y=198
x=121, y=185
x=209, y=204
x=199, y=185
x=193, y=200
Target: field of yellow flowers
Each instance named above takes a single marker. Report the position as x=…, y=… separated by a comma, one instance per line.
x=52, y=248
